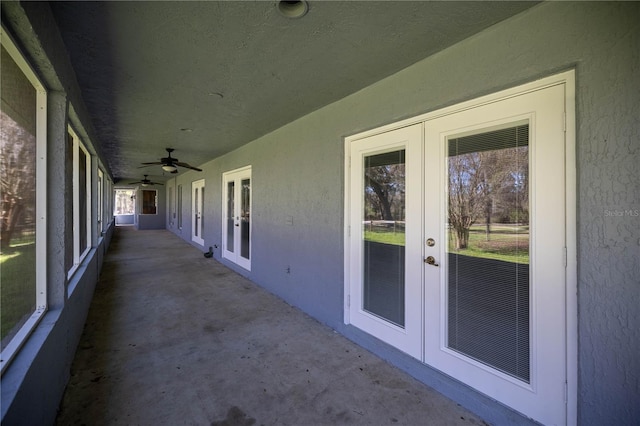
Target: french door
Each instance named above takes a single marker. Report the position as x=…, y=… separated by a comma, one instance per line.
x=197, y=208
x=456, y=246
x=385, y=228
x=236, y=226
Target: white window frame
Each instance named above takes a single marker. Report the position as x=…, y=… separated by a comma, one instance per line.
x=107, y=212
x=78, y=256
x=110, y=194
x=100, y=199
x=21, y=336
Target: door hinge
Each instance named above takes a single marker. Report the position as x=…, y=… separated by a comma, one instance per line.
x=348, y=301
x=564, y=256
x=564, y=121
x=566, y=393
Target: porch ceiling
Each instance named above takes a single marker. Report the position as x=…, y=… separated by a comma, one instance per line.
x=207, y=77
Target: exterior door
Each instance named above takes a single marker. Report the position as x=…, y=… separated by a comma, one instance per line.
x=385, y=273
x=456, y=242
x=494, y=250
x=236, y=225
x=197, y=208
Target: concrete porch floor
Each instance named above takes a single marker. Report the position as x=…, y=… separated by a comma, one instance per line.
x=173, y=338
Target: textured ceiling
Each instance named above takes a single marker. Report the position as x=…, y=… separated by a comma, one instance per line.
x=232, y=71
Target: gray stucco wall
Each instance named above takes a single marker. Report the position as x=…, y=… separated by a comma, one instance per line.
x=298, y=173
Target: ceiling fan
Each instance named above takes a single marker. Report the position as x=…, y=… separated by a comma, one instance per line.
x=169, y=163
x=145, y=182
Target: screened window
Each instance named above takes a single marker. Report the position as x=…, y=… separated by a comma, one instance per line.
x=125, y=201
x=22, y=200
x=100, y=199
x=108, y=204
x=81, y=200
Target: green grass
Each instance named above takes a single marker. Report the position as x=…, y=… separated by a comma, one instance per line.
x=17, y=285
x=385, y=237
x=509, y=243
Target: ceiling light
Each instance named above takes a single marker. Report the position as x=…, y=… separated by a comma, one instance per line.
x=293, y=9
x=169, y=168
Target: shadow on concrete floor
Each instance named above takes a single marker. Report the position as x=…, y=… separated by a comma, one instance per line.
x=173, y=338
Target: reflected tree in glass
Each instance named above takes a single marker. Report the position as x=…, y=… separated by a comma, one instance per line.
x=384, y=236
x=488, y=243
x=17, y=198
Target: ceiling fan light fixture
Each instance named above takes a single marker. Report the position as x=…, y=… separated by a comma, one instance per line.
x=169, y=168
x=293, y=9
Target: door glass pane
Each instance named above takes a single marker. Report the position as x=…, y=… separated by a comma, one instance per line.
x=230, y=214
x=201, y=211
x=172, y=212
x=488, y=248
x=179, y=197
x=383, y=221
x=245, y=212
x=195, y=212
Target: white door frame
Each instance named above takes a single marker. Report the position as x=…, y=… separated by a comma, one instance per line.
x=408, y=337
x=197, y=207
x=567, y=81
x=542, y=397
x=232, y=250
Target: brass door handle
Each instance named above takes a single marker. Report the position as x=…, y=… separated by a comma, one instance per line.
x=430, y=260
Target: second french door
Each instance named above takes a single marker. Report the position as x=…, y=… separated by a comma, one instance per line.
x=236, y=226
x=197, y=208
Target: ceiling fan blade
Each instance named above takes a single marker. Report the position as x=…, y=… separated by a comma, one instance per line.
x=133, y=183
x=188, y=166
x=153, y=163
x=156, y=183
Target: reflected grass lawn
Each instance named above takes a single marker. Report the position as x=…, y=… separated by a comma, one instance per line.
x=509, y=243
x=17, y=285
x=385, y=236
